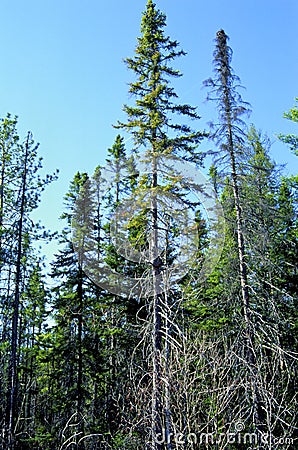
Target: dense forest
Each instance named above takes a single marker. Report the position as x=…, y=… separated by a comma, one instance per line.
x=168, y=318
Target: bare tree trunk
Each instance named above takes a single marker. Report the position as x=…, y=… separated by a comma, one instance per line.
x=249, y=337
x=2, y=181
x=240, y=237
x=168, y=420
x=157, y=321
x=81, y=445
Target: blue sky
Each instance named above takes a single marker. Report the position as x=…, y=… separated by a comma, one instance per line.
x=62, y=71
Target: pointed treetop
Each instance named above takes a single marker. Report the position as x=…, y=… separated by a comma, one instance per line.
x=150, y=7
x=222, y=35
x=76, y=185
x=225, y=87
x=79, y=179
x=151, y=120
x=152, y=25
x=118, y=148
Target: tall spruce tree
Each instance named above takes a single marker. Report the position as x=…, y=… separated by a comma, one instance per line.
x=229, y=134
x=250, y=200
x=151, y=122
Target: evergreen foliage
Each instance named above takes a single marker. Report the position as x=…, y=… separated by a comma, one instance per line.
x=85, y=366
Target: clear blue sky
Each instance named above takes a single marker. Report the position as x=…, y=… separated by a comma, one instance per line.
x=62, y=71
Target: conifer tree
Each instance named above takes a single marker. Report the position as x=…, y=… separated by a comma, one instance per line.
x=151, y=122
x=21, y=188
x=71, y=311
x=90, y=360
x=229, y=134
x=249, y=199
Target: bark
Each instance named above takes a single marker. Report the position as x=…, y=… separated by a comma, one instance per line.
x=157, y=322
x=79, y=411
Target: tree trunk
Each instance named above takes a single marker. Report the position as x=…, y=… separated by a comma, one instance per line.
x=156, y=335
x=249, y=338
x=80, y=422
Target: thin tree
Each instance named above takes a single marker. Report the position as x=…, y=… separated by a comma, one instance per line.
x=230, y=135
x=25, y=197
x=150, y=122
x=13, y=381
